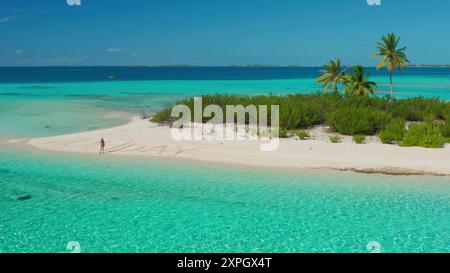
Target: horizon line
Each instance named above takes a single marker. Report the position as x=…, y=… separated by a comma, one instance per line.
x=212, y=66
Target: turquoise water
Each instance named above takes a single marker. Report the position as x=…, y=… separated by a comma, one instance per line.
x=160, y=206
x=40, y=109
x=118, y=204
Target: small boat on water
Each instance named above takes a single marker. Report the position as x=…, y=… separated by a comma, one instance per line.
x=112, y=77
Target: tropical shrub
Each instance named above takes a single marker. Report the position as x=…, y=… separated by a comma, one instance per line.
x=444, y=128
x=335, y=139
x=162, y=116
x=418, y=109
x=359, y=139
x=302, y=111
x=423, y=135
x=358, y=121
x=298, y=117
x=303, y=134
x=393, y=132
x=283, y=133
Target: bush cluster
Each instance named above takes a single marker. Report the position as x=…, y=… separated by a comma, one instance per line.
x=350, y=115
x=393, y=132
x=358, y=120
x=423, y=135
x=444, y=128
x=359, y=139
x=335, y=139
x=283, y=133
x=302, y=134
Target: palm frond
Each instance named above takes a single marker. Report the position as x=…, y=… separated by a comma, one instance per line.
x=332, y=75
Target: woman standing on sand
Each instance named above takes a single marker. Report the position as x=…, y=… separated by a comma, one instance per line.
x=102, y=146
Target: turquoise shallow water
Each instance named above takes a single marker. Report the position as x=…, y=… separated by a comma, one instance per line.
x=161, y=206
x=115, y=204
x=37, y=109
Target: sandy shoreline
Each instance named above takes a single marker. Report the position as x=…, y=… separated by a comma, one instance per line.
x=143, y=138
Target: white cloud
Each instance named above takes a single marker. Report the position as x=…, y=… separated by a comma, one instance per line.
x=19, y=51
x=113, y=50
x=6, y=19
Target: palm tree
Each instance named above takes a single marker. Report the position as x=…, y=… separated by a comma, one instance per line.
x=358, y=83
x=392, y=57
x=332, y=76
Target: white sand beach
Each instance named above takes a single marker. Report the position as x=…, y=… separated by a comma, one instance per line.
x=143, y=138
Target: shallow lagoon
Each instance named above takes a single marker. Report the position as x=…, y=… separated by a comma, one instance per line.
x=160, y=206
x=118, y=204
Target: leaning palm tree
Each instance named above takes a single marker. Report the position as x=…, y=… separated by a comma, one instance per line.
x=392, y=57
x=358, y=83
x=332, y=76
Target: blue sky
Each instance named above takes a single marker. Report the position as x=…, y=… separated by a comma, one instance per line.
x=217, y=32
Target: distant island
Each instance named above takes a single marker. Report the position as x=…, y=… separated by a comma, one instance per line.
x=430, y=65
x=233, y=65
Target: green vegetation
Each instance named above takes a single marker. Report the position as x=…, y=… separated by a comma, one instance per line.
x=444, y=129
x=417, y=109
x=423, y=135
x=303, y=111
x=302, y=134
x=346, y=114
x=393, y=132
x=359, y=139
x=358, y=120
x=283, y=133
x=333, y=75
x=335, y=139
x=356, y=112
x=392, y=56
x=163, y=115
x=357, y=83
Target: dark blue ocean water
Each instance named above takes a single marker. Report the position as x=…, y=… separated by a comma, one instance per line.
x=82, y=74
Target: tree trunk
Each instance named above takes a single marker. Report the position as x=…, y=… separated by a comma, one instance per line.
x=392, y=85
